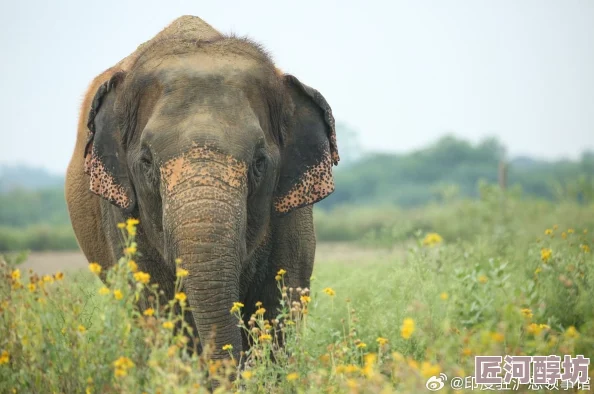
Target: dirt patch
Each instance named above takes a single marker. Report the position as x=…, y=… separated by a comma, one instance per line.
x=356, y=254
x=52, y=262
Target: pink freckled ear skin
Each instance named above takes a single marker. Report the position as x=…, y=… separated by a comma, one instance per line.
x=315, y=184
x=103, y=184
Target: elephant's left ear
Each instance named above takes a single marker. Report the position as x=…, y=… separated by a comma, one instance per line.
x=309, y=151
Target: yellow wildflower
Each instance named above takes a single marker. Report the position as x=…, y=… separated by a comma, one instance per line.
x=571, y=332
x=305, y=299
x=236, y=307
x=527, y=312
x=536, y=329
x=381, y=341
x=361, y=345
x=292, y=376
x=247, y=375
x=407, y=328
x=548, y=231
x=281, y=272
x=497, y=337
x=172, y=350
x=537, y=270
x=104, y=290
x=466, y=351
x=95, y=268
x=131, y=226
x=182, y=273
x=227, y=347
x=265, y=337
x=31, y=287
x=58, y=276
x=412, y=363
x=149, y=312
x=122, y=365
x=123, y=362
x=16, y=274
x=564, y=235
x=142, y=277
x=260, y=311
x=444, y=296
x=329, y=291
x=432, y=239
x=121, y=225
x=81, y=328
x=483, y=279
x=47, y=279
x=258, y=304
x=168, y=325
x=352, y=383
x=4, y=357
x=130, y=250
x=370, y=360
x=428, y=369
x=545, y=254
x=118, y=294
x=181, y=297
x=278, y=278
x=585, y=248
x=132, y=265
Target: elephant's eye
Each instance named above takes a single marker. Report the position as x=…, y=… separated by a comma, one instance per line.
x=260, y=166
x=146, y=159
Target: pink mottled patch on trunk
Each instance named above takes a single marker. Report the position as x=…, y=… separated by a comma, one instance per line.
x=217, y=168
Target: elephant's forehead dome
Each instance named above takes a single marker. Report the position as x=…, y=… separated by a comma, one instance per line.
x=224, y=50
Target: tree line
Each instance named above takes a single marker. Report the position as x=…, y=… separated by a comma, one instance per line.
x=447, y=170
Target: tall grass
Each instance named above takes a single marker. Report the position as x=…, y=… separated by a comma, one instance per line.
x=519, y=284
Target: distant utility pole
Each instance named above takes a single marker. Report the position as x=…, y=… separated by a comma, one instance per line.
x=503, y=175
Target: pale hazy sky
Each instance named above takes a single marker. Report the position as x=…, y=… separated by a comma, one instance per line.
x=402, y=73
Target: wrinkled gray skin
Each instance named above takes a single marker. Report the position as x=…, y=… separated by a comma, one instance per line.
x=203, y=138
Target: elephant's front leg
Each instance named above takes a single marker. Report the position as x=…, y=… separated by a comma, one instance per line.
x=293, y=252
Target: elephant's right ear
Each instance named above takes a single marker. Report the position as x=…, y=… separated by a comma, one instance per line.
x=105, y=159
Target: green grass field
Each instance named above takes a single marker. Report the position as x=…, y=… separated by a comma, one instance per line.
x=500, y=277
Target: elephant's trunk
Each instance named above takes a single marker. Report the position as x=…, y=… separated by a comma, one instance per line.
x=212, y=258
x=205, y=219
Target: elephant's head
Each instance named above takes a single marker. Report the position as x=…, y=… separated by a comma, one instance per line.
x=208, y=143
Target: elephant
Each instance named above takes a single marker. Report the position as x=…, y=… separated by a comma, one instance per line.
x=220, y=156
